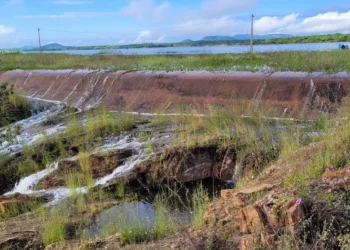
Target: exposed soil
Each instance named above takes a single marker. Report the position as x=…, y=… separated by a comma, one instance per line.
x=247, y=217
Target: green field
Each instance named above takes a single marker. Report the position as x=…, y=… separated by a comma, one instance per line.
x=326, y=61
x=335, y=38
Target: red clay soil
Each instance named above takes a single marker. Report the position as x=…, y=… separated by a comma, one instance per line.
x=288, y=93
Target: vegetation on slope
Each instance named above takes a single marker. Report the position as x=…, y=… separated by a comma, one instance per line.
x=301, y=162
x=327, y=61
x=12, y=106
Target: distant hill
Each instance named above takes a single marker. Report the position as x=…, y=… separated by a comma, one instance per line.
x=243, y=37
x=187, y=41
x=27, y=48
x=218, y=38
x=261, y=37
x=53, y=46
x=47, y=47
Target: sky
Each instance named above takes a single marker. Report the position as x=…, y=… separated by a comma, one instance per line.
x=111, y=22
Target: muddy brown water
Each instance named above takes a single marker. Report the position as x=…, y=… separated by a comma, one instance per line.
x=281, y=93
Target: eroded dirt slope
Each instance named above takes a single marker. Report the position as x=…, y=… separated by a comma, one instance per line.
x=283, y=93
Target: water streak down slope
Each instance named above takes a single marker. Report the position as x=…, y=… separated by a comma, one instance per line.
x=281, y=92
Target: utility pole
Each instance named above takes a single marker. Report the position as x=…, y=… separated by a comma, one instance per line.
x=252, y=35
x=39, y=40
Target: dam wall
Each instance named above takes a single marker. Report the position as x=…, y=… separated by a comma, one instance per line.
x=281, y=93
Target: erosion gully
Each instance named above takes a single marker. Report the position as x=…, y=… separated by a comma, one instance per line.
x=140, y=93
x=36, y=128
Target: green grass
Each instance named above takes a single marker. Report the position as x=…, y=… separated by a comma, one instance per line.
x=131, y=228
x=333, y=149
x=54, y=228
x=200, y=202
x=13, y=108
x=17, y=208
x=337, y=38
x=163, y=222
x=120, y=190
x=325, y=61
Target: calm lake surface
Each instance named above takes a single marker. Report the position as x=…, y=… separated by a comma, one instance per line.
x=209, y=49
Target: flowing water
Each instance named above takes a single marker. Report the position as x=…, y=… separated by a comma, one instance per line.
x=30, y=130
x=125, y=212
x=27, y=185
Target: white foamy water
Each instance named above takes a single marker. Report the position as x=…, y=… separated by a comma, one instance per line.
x=29, y=133
x=125, y=142
x=59, y=194
x=28, y=139
x=121, y=170
x=27, y=184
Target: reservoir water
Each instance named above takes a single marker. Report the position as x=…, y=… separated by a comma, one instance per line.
x=208, y=49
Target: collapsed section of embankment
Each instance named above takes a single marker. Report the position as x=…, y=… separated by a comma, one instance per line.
x=282, y=93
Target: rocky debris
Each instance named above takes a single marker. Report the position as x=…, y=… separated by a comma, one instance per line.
x=336, y=180
x=24, y=240
x=101, y=164
x=106, y=162
x=273, y=211
x=253, y=162
x=256, y=213
x=254, y=241
x=240, y=198
x=222, y=216
x=278, y=210
x=187, y=165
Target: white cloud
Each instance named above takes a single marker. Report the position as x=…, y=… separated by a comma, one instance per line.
x=274, y=24
x=327, y=22
x=147, y=36
x=160, y=12
x=143, y=36
x=70, y=2
x=322, y=23
x=139, y=9
x=4, y=30
x=215, y=8
x=70, y=15
x=205, y=27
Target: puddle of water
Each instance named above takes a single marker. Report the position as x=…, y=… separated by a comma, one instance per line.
x=129, y=212
x=144, y=213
